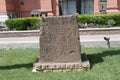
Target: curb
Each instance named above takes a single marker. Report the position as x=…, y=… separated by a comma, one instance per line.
x=85, y=31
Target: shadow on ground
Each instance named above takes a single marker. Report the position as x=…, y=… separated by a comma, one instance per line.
x=93, y=58
x=16, y=66
x=98, y=57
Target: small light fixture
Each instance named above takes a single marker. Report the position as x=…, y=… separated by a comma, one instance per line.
x=108, y=41
x=22, y=3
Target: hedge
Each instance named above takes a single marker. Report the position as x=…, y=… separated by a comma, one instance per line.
x=34, y=22
x=23, y=23
x=100, y=19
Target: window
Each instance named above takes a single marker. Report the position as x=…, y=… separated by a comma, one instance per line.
x=67, y=7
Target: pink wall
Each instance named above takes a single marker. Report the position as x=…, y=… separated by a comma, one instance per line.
x=50, y=5
x=113, y=6
x=96, y=7
x=27, y=6
x=46, y=5
x=55, y=7
x=2, y=6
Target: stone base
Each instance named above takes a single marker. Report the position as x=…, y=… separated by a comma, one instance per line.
x=62, y=67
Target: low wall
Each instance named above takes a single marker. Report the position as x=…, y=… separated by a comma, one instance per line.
x=99, y=31
x=32, y=33
x=86, y=31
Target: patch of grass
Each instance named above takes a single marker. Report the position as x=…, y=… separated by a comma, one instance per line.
x=16, y=64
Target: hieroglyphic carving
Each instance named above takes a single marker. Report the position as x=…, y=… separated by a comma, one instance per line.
x=59, y=40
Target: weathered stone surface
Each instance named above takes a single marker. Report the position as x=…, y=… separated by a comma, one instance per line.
x=59, y=45
x=59, y=40
x=62, y=67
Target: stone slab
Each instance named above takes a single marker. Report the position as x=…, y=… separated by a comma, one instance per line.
x=62, y=67
x=59, y=40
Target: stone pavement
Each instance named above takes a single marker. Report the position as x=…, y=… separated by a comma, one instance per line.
x=86, y=41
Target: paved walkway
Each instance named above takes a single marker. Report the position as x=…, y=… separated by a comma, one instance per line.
x=19, y=42
x=86, y=41
x=99, y=41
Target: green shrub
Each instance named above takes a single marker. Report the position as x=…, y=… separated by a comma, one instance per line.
x=23, y=23
x=111, y=22
x=100, y=19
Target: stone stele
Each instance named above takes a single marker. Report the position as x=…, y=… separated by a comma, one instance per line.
x=59, y=45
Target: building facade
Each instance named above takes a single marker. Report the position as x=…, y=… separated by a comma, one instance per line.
x=22, y=8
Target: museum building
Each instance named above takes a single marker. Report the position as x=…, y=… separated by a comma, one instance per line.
x=23, y=8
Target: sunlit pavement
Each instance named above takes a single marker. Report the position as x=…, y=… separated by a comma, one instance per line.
x=86, y=41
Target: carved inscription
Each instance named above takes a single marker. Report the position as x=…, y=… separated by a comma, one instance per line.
x=59, y=40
